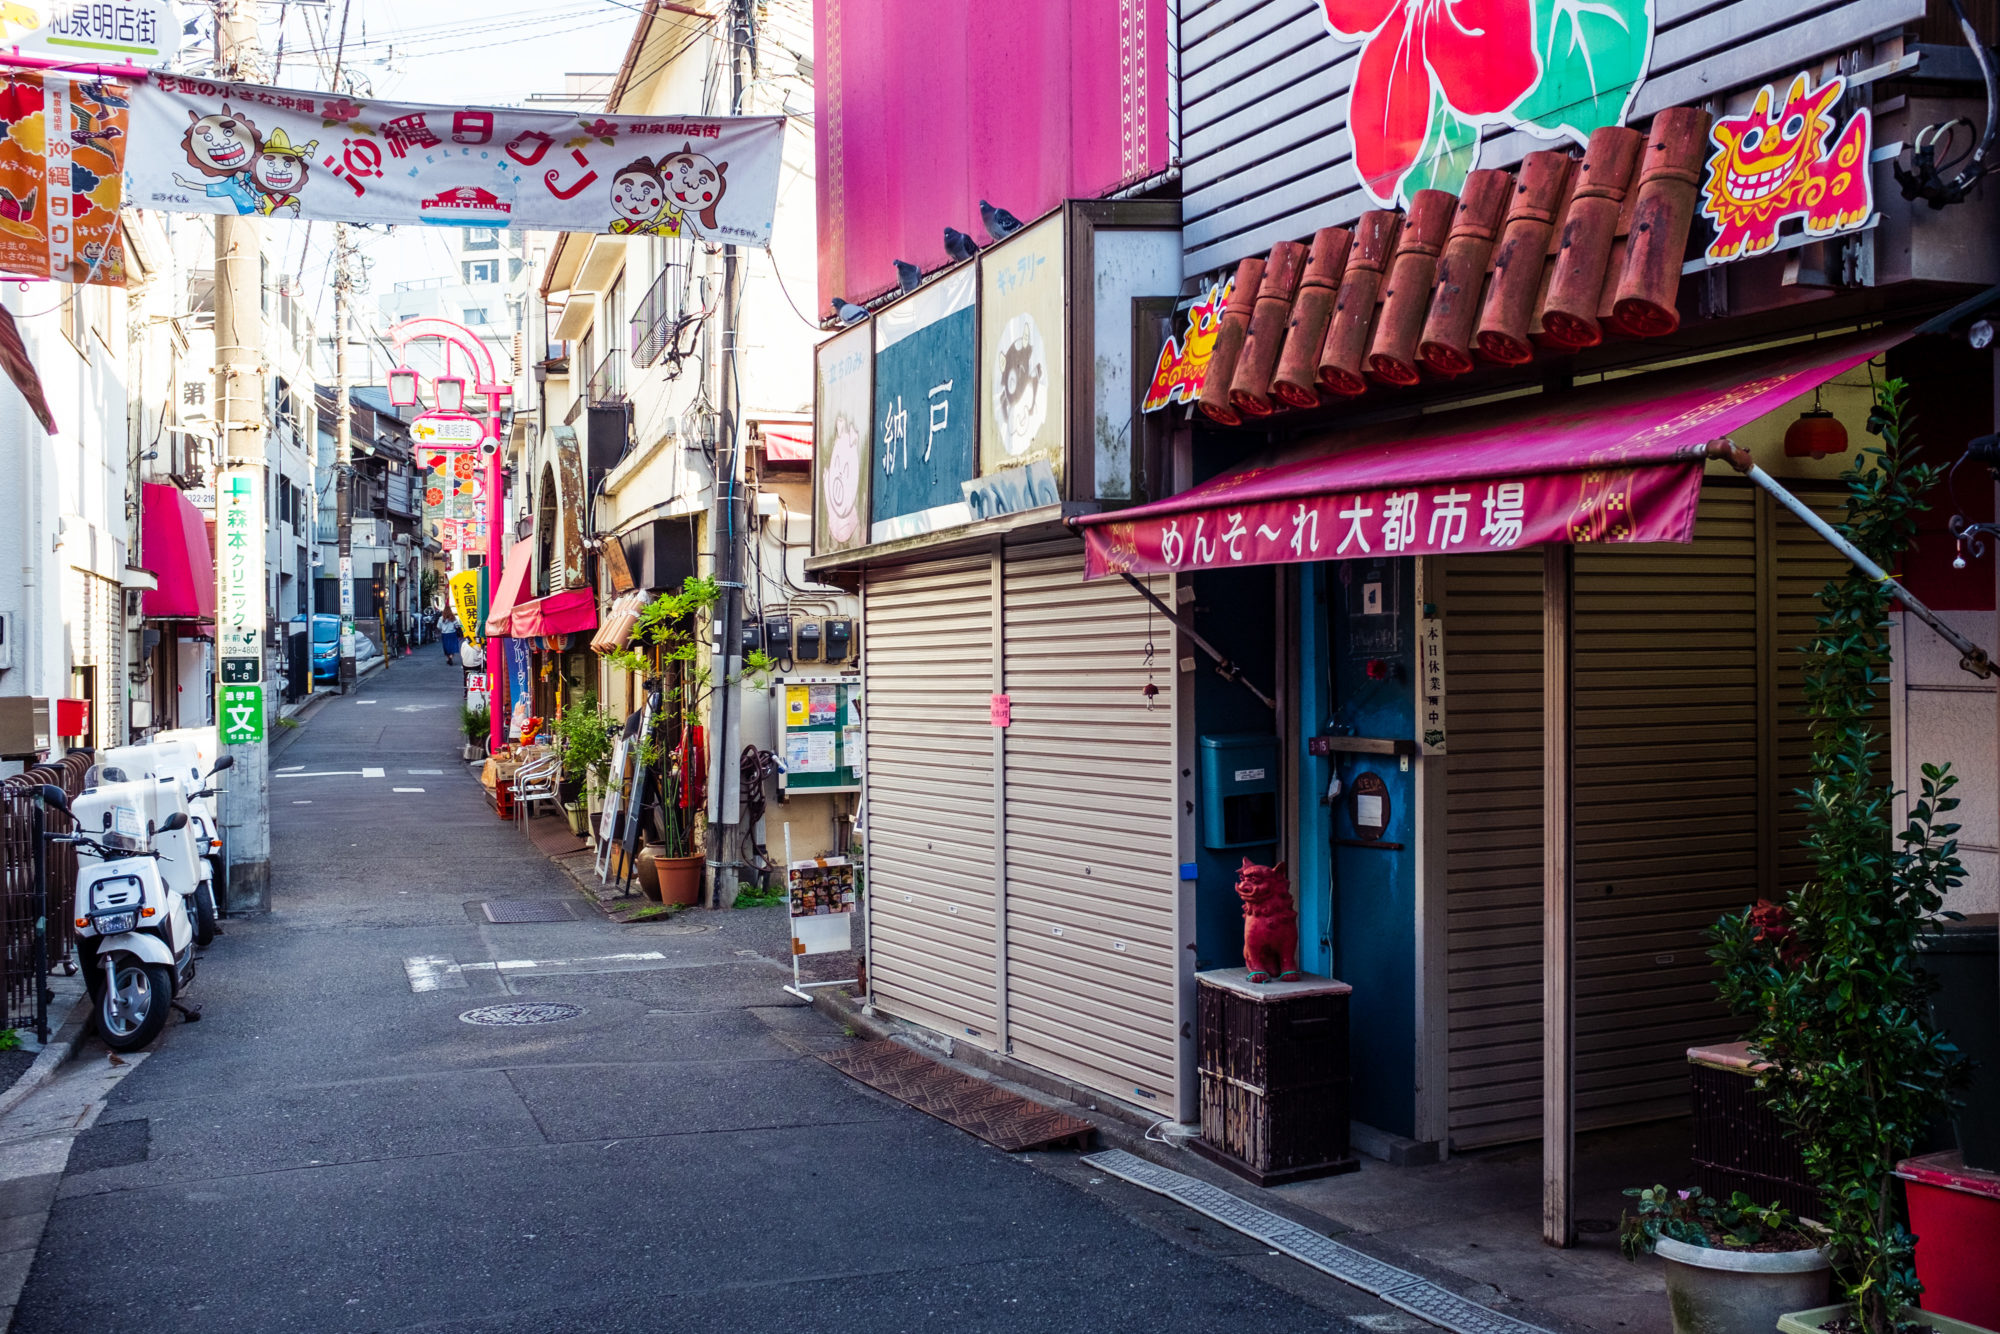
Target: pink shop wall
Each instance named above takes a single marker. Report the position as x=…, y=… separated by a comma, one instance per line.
x=925, y=107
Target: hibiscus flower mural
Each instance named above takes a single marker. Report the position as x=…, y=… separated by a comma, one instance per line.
x=1434, y=74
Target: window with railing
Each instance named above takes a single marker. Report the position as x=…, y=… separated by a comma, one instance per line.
x=661, y=313
x=607, y=382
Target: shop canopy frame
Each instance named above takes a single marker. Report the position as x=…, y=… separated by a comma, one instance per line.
x=1621, y=461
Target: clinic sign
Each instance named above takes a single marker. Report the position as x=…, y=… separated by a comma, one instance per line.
x=239, y=610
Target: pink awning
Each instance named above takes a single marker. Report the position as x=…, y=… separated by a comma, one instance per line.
x=556, y=614
x=787, y=446
x=1617, y=462
x=173, y=545
x=512, y=584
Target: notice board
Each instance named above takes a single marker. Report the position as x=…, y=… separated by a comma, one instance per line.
x=820, y=733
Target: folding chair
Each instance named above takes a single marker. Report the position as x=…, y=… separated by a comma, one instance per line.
x=537, y=780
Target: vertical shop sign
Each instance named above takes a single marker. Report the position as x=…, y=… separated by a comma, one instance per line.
x=239, y=500
x=926, y=410
x=842, y=440
x=1022, y=411
x=62, y=164
x=242, y=715
x=1430, y=684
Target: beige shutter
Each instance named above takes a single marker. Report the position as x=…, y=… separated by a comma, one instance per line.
x=1092, y=867
x=1689, y=742
x=927, y=655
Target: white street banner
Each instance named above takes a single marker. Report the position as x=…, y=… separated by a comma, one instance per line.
x=205, y=147
x=143, y=32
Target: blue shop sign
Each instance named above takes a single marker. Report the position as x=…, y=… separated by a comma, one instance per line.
x=926, y=410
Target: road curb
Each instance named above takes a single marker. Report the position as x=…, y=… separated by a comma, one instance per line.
x=62, y=1045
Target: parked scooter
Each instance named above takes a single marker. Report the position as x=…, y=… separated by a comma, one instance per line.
x=135, y=881
x=203, y=805
x=178, y=760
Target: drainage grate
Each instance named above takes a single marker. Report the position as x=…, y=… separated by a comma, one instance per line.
x=1398, y=1287
x=522, y=1012
x=513, y=912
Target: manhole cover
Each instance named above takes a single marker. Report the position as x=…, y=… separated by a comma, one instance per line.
x=513, y=912
x=522, y=1012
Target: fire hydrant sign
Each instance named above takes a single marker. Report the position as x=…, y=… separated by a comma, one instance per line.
x=203, y=146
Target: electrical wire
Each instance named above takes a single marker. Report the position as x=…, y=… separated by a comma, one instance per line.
x=779, y=275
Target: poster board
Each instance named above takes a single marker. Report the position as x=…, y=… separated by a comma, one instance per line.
x=820, y=726
x=821, y=894
x=614, y=806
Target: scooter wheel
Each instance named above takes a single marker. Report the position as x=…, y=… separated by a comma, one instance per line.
x=133, y=1009
x=204, y=916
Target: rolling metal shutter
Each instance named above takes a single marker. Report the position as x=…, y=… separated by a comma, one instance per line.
x=927, y=656
x=1683, y=807
x=1092, y=864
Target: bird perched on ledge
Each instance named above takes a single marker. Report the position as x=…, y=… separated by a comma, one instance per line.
x=958, y=245
x=908, y=276
x=1000, y=224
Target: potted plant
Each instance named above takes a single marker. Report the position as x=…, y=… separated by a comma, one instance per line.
x=1830, y=980
x=477, y=725
x=664, y=649
x=585, y=734
x=1732, y=1267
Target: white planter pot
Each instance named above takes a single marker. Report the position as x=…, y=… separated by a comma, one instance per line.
x=1809, y=1322
x=1711, y=1291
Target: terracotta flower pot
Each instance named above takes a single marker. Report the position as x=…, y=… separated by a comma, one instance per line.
x=680, y=878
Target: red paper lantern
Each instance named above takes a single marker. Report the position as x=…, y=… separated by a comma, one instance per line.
x=1815, y=434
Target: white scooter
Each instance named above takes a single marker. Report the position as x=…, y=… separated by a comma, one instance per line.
x=178, y=758
x=203, y=805
x=135, y=880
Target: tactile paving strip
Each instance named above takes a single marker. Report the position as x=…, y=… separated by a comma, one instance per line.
x=1398, y=1287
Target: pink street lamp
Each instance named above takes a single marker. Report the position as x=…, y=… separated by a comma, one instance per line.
x=450, y=393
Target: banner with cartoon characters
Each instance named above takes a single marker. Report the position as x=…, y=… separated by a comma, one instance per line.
x=62, y=152
x=209, y=147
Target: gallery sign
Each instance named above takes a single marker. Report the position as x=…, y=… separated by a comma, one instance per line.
x=1024, y=409
x=1782, y=160
x=926, y=410
x=842, y=440
x=215, y=147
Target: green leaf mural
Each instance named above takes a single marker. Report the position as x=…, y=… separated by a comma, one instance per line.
x=1594, y=54
x=1450, y=152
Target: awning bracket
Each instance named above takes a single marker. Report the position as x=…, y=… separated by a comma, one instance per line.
x=1971, y=657
x=1224, y=668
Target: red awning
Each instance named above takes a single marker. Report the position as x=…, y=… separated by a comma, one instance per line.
x=556, y=614
x=787, y=447
x=512, y=585
x=1617, y=462
x=173, y=545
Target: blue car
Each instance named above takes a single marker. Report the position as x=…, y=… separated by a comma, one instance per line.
x=326, y=647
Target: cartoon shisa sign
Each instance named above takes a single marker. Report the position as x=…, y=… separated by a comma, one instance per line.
x=1779, y=161
x=1183, y=364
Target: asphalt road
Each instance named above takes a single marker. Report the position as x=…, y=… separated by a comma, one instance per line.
x=330, y=1149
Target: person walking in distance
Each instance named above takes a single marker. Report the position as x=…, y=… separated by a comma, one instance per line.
x=451, y=638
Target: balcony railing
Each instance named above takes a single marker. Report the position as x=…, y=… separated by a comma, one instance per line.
x=660, y=316
x=607, y=383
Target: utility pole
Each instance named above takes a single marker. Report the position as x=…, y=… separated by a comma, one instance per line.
x=725, y=783
x=343, y=457
x=241, y=515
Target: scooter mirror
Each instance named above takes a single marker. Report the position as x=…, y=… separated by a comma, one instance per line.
x=178, y=820
x=55, y=796
x=226, y=762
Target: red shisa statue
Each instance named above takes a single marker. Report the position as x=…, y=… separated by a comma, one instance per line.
x=1270, y=923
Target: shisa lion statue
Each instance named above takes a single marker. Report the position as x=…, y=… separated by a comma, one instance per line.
x=1270, y=923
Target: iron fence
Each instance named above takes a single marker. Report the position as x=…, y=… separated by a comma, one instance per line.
x=28, y=953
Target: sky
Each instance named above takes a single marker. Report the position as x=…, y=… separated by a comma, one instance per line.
x=468, y=52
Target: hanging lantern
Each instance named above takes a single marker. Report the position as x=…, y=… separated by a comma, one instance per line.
x=403, y=387
x=450, y=391
x=1815, y=434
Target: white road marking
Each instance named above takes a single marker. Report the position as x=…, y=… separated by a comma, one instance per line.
x=434, y=972
x=437, y=972
x=302, y=803
x=331, y=773
x=364, y=701
x=406, y=789
x=416, y=708
x=288, y=768
x=367, y=772
x=414, y=772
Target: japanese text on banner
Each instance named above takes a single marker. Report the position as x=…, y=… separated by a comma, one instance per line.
x=212, y=147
